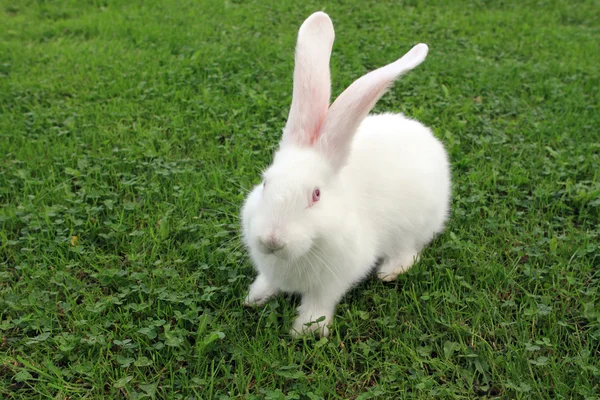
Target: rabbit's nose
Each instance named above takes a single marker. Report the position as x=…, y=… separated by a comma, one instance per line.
x=272, y=242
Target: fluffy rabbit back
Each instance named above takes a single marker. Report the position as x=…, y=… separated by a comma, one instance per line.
x=400, y=176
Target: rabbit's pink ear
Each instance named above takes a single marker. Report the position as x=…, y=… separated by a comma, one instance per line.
x=312, y=84
x=353, y=105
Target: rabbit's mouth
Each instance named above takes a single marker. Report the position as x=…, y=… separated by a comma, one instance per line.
x=270, y=247
x=279, y=252
x=286, y=253
x=269, y=250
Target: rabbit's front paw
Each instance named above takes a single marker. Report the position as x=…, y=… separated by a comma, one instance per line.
x=311, y=322
x=260, y=291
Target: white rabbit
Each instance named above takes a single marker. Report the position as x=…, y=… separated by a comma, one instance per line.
x=344, y=190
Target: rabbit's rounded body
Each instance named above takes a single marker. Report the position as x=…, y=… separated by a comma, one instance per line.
x=391, y=197
x=399, y=174
x=344, y=190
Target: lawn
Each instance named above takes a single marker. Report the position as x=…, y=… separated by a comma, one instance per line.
x=130, y=134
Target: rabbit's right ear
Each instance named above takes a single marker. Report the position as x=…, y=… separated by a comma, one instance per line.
x=312, y=83
x=353, y=105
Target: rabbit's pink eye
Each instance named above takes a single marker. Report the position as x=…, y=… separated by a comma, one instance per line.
x=316, y=195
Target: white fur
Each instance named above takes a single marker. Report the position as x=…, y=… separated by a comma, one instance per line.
x=385, y=192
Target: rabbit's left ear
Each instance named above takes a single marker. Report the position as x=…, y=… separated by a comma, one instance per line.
x=353, y=105
x=312, y=83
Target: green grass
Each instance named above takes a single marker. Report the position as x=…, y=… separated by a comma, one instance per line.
x=129, y=134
